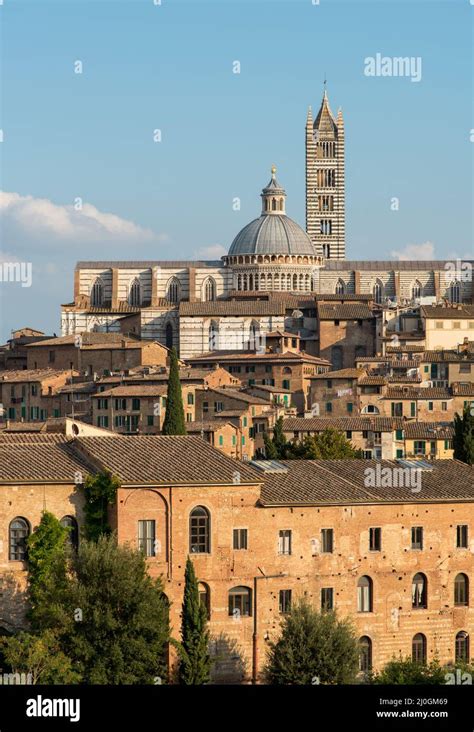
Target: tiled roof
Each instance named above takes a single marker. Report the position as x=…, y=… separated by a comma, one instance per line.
x=135, y=390
x=398, y=392
x=341, y=374
x=347, y=297
x=211, y=425
x=166, y=460
x=267, y=387
x=94, y=340
x=240, y=395
x=32, y=374
x=322, y=482
x=232, y=307
x=404, y=379
x=428, y=431
x=443, y=356
x=372, y=381
x=405, y=349
x=147, y=264
x=459, y=312
x=344, y=424
x=235, y=356
x=43, y=458
x=11, y=427
x=462, y=389
x=379, y=265
x=346, y=311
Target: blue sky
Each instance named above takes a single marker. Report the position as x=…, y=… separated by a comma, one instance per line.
x=170, y=67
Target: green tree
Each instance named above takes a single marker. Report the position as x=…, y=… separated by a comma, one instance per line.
x=100, y=491
x=406, y=671
x=195, y=661
x=463, y=441
x=46, y=564
x=115, y=619
x=313, y=648
x=330, y=444
x=174, y=423
x=276, y=447
x=40, y=657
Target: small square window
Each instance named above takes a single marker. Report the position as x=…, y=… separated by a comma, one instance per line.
x=240, y=537
x=375, y=539
x=417, y=537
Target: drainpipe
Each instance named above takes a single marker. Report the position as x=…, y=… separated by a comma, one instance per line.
x=255, y=620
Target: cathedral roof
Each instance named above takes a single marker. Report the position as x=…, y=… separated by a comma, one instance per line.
x=270, y=234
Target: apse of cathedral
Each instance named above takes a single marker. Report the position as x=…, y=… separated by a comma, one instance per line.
x=271, y=277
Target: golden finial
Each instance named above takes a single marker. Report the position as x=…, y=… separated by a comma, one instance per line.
x=274, y=170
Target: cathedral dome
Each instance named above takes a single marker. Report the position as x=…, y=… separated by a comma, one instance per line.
x=273, y=232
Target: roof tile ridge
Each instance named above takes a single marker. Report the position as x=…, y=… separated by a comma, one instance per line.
x=364, y=490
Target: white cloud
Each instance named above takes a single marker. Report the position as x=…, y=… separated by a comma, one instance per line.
x=415, y=252
x=213, y=251
x=40, y=218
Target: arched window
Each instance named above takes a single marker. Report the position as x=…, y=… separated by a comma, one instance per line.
x=209, y=290
x=134, y=296
x=240, y=602
x=378, y=291
x=199, y=530
x=19, y=532
x=461, y=589
x=370, y=409
x=365, y=654
x=364, y=595
x=416, y=290
x=419, y=591
x=169, y=335
x=205, y=597
x=461, y=649
x=69, y=522
x=418, y=648
x=274, y=204
x=336, y=357
x=340, y=287
x=173, y=290
x=214, y=336
x=287, y=370
x=455, y=292
x=281, y=204
x=295, y=282
x=97, y=293
x=254, y=335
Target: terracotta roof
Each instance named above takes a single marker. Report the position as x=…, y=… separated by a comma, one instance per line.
x=166, y=460
x=222, y=356
x=404, y=379
x=33, y=374
x=232, y=307
x=459, y=312
x=345, y=311
x=442, y=356
x=372, y=381
x=462, y=389
x=135, y=390
x=344, y=424
x=428, y=431
x=340, y=374
x=346, y=297
x=240, y=395
x=45, y=458
x=211, y=425
x=405, y=363
x=422, y=392
x=94, y=340
x=404, y=349
x=267, y=387
x=322, y=482
x=11, y=427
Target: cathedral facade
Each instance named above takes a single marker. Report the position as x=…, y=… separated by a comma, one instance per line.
x=273, y=269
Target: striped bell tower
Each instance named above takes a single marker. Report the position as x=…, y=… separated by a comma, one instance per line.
x=325, y=197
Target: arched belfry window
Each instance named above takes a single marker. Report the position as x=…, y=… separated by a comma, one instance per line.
x=134, y=297
x=455, y=292
x=416, y=290
x=378, y=291
x=209, y=290
x=340, y=287
x=97, y=293
x=214, y=336
x=173, y=291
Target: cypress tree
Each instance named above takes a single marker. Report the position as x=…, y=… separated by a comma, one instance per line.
x=195, y=661
x=463, y=441
x=174, y=419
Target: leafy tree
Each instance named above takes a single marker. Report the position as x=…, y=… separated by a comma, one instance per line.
x=463, y=441
x=406, y=671
x=174, y=423
x=100, y=491
x=39, y=656
x=313, y=648
x=195, y=661
x=330, y=444
x=114, y=622
x=46, y=563
x=277, y=447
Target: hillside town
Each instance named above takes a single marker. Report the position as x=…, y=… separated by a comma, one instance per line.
x=327, y=434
